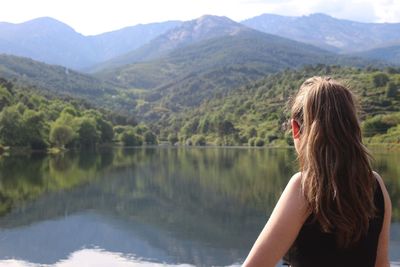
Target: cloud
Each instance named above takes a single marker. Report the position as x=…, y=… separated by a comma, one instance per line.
x=387, y=10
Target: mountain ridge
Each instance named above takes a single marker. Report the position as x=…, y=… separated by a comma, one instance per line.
x=338, y=34
x=189, y=32
x=54, y=42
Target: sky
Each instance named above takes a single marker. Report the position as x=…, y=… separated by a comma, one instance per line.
x=91, y=17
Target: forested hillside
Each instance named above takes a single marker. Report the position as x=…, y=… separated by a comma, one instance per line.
x=33, y=120
x=388, y=53
x=188, y=75
x=56, y=79
x=256, y=115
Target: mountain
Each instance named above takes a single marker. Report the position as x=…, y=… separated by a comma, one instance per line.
x=264, y=53
x=328, y=32
x=51, y=41
x=47, y=40
x=112, y=44
x=56, y=79
x=390, y=54
x=191, y=74
x=190, y=32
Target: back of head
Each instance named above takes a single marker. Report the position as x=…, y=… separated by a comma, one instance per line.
x=338, y=182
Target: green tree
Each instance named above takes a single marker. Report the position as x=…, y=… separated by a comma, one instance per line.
x=251, y=132
x=106, y=130
x=150, y=138
x=5, y=97
x=60, y=135
x=225, y=127
x=36, y=129
x=11, y=127
x=259, y=142
x=391, y=90
x=173, y=138
x=375, y=125
x=129, y=138
x=198, y=140
x=88, y=135
x=252, y=141
x=380, y=79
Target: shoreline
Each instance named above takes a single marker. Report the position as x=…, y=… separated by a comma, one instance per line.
x=54, y=151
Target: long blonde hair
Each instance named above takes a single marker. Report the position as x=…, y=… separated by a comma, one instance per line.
x=337, y=179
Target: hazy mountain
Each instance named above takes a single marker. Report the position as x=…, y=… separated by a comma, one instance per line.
x=188, y=75
x=190, y=32
x=112, y=44
x=54, y=78
x=47, y=40
x=53, y=42
x=390, y=54
x=267, y=52
x=328, y=32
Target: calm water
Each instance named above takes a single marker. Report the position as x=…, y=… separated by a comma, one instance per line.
x=149, y=207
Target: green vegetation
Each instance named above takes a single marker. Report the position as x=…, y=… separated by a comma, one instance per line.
x=54, y=78
x=256, y=114
x=253, y=114
x=185, y=77
x=37, y=121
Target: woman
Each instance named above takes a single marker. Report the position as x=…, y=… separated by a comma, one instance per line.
x=336, y=211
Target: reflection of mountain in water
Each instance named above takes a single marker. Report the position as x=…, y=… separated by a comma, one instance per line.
x=197, y=206
x=193, y=201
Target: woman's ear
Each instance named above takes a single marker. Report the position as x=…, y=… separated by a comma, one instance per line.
x=295, y=129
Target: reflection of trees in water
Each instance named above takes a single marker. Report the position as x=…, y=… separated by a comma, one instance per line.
x=26, y=177
x=387, y=163
x=218, y=196
x=220, y=182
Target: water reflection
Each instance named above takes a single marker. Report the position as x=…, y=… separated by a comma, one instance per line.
x=201, y=207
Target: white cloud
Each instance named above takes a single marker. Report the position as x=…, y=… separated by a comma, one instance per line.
x=387, y=10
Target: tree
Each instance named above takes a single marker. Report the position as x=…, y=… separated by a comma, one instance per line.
x=36, y=129
x=150, y=138
x=61, y=135
x=375, y=125
x=106, y=130
x=225, y=127
x=252, y=141
x=173, y=138
x=391, y=90
x=11, y=127
x=252, y=132
x=129, y=138
x=380, y=79
x=198, y=140
x=5, y=97
x=259, y=142
x=88, y=136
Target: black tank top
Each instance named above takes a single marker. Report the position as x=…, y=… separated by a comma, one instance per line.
x=314, y=248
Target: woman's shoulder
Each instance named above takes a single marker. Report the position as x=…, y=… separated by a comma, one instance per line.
x=295, y=180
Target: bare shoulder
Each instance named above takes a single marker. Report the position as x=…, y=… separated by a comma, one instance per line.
x=295, y=181
x=282, y=228
x=292, y=196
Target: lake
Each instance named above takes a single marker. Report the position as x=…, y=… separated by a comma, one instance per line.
x=149, y=206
